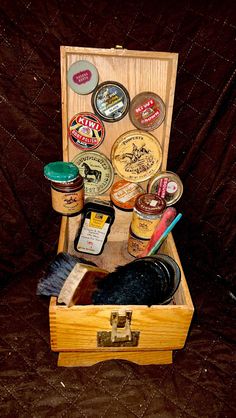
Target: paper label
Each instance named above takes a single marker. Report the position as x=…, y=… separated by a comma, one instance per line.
x=93, y=233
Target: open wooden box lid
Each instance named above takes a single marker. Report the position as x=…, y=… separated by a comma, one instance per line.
x=138, y=71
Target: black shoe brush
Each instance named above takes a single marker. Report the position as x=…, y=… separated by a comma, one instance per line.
x=57, y=273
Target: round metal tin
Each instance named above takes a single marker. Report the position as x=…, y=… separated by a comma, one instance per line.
x=86, y=131
x=110, y=101
x=147, y=111
x=136, y=156
x=96, y=170
x=124, y=194
x=82, y=77
x=167, y=185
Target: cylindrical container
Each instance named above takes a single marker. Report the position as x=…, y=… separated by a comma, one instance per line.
x=86, y=131
x=97, y=218
x=136, y=155
x=67, y=187
x=82, y=77
x=147, y=111
x=135, y=244
x=147, y=213
x=124, y=193
x=110, y=101
x=167, y=185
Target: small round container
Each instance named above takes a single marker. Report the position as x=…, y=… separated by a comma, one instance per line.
x=82, y=77
x=97, y=171
x=124, y=193
x=67, y=187
x=110, y=101
x=167, y=185
x=136, y=156
x=147, y=111
x=86, y=131
x=135, y=244
x=147, y=213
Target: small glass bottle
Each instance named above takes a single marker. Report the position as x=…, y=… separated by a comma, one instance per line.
x=67, y=187
x=147, y=213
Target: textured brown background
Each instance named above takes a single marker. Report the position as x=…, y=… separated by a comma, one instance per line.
x=202, y=152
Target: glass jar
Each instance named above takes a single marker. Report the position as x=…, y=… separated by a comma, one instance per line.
x=67, y=187
x=147, y=213
x=135, y=244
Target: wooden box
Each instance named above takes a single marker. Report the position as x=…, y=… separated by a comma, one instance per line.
x=82, y=334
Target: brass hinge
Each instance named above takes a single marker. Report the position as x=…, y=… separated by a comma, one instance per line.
x=120, y=334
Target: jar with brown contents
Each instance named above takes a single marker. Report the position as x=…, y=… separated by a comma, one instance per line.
x=147, y=213
x=67, y=187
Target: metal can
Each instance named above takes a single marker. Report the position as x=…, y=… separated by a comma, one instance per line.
x=167, y=185
x=147, y=213
x=147, y=111
x=124, y=193
x=82, y=77
x=136, y=156
x=110, y=101
x=67, y=187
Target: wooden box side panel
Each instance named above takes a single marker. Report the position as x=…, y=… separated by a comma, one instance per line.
x=160, y=327
x=138, y=71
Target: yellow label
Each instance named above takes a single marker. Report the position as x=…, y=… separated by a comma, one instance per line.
x=143, y=227
x=136, y=246
x=67, y=203
x=97, y=220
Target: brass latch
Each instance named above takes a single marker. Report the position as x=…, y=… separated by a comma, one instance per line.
x=120, y=322
x=120, y=334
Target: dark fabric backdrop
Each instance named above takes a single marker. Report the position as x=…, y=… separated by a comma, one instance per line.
x=202, y=142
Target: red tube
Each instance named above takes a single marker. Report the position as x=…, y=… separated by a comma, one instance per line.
x=166, y=219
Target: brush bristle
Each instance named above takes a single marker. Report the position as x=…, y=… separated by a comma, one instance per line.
x=58, y=271
x=131, y=284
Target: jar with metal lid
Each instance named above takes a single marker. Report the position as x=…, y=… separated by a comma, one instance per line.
x=67, y=187
x=147, y=213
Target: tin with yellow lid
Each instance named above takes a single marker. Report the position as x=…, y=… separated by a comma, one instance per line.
x=136, y=156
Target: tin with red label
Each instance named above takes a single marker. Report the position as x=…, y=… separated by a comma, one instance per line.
x=147, y=111
x=82, y=77
x=166, y=185
x=86, y=131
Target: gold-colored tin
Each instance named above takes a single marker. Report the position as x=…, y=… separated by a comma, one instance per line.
x=136, y=156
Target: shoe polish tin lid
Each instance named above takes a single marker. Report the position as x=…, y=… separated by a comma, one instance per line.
x=97, y=171
x=136, y=156
x=110, y=101
x=147, y=111
x=124, y=194
x=167, y=185
x=86, y=131
x=82, y=77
